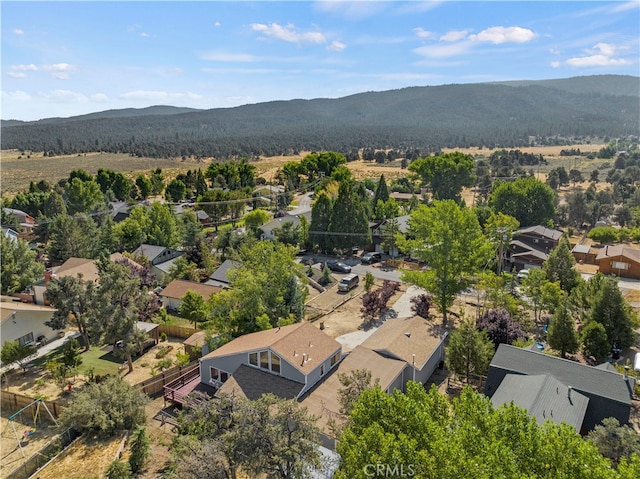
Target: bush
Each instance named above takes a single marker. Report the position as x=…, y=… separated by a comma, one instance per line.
x=163, y=351
x=140, y=449
x=119, y=469
x=163, y=336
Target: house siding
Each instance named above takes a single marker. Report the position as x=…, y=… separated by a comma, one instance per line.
x=605, y=266
x=314, y=376
x=22, y=323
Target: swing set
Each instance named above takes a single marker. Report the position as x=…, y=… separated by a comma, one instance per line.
x=31, y=430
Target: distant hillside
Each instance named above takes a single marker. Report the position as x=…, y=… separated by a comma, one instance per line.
x=504, y=114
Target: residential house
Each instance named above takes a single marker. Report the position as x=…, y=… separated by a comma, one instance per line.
x=76, y=267
x=203, y=217
x=160, y=257
x=299, y=353
x=544, y=397
x=285, y=361
x=173, y=293
x=619, y=260
x=219, y=277
x=10, y=234
x=25, y=323
x=530, y=247
x=268, y=228
x=584, y=254
x=322, y=400
x=609, y=393
x=379, y=233
x=412, y=341
x=119, y=211
x=26, y=223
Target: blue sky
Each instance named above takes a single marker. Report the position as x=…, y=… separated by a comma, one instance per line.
x=61, y=59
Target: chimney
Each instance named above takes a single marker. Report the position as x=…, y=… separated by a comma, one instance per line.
x=47, y=277
x=303, y=359
x=569, y=392
x=626, y=372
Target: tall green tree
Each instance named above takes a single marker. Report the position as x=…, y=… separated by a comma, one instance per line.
x=14, y=352
x=559, y=266
x=269, y=436
x=469, y=351
x=106, y=408
x=349, y=225
x=561, y=333
x=320, y=219
x=18, y=265
x=528, y=200
x=499, y=229
x=447, y=174
x=175, y=191
x=615, y=441
x=164, y=229
x=72, y=236
x=194, y=308
x=73, y=298
x=594, y=341
x=382, y=191
x=84, y=197
x=144, y=186
x=449, y=239
x=533, y=288
x=610, y=309
x=430, y=436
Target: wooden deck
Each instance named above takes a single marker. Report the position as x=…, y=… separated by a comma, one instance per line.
x=177, y=391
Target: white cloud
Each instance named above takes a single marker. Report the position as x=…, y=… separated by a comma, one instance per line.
x=601, y=54
x=454, y=36
x=556, y=64
x=288, y=33
x=59, y=70
x=603, y=49
x=17, y=95
x=623, y=7
x=17, y=74
x=422, y=33
x=498, y=35
x=443, y=51
x=217, y=24
x=99, y=98
x=64, y=96
x=219, y=56
x=596, y=61
x=336, y=46
x=145, y=35
x=31, y=67
x=18, y=31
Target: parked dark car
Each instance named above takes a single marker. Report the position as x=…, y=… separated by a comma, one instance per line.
x=339, y=267
x=371, y=257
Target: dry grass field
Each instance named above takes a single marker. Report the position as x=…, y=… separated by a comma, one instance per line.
x=16, y=171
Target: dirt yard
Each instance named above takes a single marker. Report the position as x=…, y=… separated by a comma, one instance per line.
x=36, y=380
x=87, y=458
x=11, y=456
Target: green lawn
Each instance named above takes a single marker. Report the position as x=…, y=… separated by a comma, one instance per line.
x=103, y=362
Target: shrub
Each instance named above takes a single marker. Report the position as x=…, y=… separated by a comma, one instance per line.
x=163, y=336
x=140, y=449
x=119, y=469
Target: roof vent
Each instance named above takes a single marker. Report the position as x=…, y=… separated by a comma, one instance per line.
x=408, y=335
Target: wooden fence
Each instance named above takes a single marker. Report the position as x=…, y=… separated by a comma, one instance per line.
x=175, y=331
x=156, y=384
x=15, y=402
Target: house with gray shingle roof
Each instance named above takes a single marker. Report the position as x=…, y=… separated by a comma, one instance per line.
x=299, y=352
x=219, y=277
x=160, y=257
x=530, y=247
x=609, y=393
x=544, y=397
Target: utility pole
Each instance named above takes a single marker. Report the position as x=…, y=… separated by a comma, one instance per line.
x=503, y=238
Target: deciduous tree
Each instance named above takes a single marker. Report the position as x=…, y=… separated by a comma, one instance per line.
x=449, y=239
x=528, y=200
x=14, y=352
x=18, y=265
x=594, y=341
x=105, y=408
x=447, y=174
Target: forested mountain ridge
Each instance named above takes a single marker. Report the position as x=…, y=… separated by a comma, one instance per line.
x=505, y=114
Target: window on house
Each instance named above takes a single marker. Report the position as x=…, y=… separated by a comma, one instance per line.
x=264, y=359
x=253, y=359
x=335, y=358
x=620, y=265
x=26, y=339
x=219, y=375
x=275, y=363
